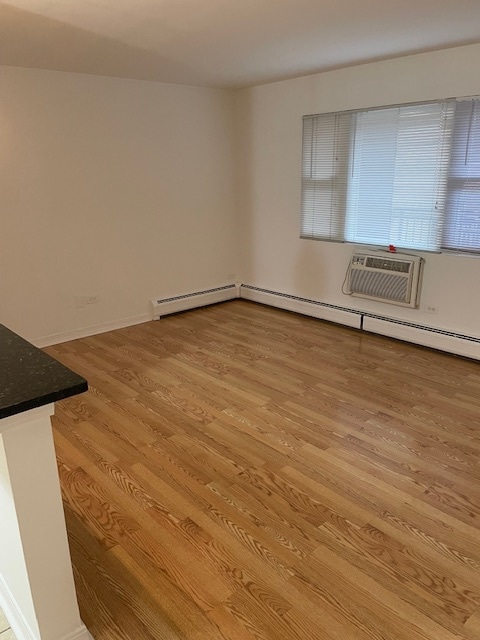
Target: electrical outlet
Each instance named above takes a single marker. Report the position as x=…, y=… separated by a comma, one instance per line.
x=431, y=308
x=92, y=299
x=231, y=277
x=79, y=302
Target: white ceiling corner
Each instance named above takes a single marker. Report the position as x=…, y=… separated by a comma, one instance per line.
x=225, y=43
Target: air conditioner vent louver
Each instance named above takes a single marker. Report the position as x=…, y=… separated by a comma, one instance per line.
x=379, y=285
x=388, y=265
x=384, y=278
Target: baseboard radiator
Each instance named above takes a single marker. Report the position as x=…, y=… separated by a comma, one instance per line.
x=167, y=306
x=460, y=344
x=330, y=312
x=436, y=338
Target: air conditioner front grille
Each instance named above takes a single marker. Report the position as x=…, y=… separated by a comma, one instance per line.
x=380, y=277
x=388, y=265
x=380, y=285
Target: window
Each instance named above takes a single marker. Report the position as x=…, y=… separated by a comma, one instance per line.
x=462, y=220
x=407, y=176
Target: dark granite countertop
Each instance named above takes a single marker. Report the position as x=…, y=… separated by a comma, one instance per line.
x=30, y=378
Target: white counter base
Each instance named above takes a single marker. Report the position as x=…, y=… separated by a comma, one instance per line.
x=37, y=591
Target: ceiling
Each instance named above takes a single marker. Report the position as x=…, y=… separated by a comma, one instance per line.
x=225, y=43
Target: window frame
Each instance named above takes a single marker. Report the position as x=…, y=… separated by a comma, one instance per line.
x=443, y=249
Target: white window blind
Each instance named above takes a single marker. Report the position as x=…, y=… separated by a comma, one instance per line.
x=407, y=176
x=326, y=142
x=462, y=222
x=399, y=167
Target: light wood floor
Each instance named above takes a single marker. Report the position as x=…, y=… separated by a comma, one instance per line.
x=242, y=473
x=5, y=632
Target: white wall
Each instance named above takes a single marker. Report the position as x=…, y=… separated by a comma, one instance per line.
x=126, y=190
x=109, y=187
x=269, y=130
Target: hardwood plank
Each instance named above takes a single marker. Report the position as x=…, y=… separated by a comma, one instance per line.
x=242, y=473
x=471, y=628
x=408, y=576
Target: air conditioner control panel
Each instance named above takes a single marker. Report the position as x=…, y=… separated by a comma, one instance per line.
x=358, y=261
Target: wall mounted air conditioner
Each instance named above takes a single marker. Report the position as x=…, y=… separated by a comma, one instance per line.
x=387, y=277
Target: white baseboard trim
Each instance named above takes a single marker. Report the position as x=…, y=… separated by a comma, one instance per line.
x=159, y=308
x=306, y=307
x=92, y=330
x=442, y=339
x=166, y=306
x=425, y=336
x=433, y=337
x=82, y=633
x=19, y=624
x=14, y=615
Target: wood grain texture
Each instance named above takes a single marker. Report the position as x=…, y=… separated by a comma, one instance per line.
x=242, y=473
